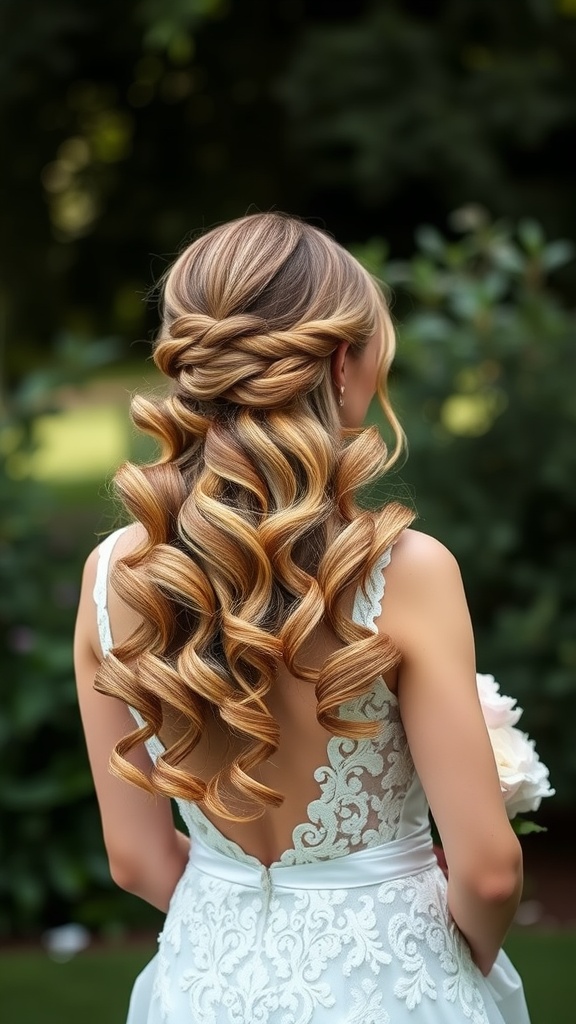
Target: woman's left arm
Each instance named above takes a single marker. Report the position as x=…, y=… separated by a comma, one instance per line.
x=146, y=853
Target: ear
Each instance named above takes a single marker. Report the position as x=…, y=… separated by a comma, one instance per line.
x=338, y=362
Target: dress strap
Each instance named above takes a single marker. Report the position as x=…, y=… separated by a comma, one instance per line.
x=368, y=602
x=100, y=591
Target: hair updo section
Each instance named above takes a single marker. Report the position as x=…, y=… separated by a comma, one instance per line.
x=240, y=361
x=253, y=528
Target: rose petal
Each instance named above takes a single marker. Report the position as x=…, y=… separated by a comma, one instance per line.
x=523, y=777
x=498, y=709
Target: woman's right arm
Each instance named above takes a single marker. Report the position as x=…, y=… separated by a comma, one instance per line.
x=426, y=614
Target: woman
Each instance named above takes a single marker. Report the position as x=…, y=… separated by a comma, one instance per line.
x=303, y=724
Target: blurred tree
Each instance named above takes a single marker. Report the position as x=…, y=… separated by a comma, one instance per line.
x=434, y=104
x=131, y=126
x=484, y=385
x=50, y=842
x=123, y=142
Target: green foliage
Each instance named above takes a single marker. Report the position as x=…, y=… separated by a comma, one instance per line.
x=446, y=101
x=367, y=117
x=169, y=23
x=51, y=852
x=525, y=828
x=484, y=386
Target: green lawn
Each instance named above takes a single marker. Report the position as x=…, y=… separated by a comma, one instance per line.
x=547, y=963
x=93, y=988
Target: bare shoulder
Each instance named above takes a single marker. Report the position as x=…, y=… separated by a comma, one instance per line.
x=424, y=592
x=419, y=560
x=128, y=540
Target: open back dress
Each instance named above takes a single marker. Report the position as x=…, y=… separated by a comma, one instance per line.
x=349, y=926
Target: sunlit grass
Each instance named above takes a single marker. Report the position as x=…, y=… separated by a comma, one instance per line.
x=85, y=442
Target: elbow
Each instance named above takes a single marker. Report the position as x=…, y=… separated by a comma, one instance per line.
x=124, y=877
x=125, y=872
x=502, y=887
x=498, y=889
x=151, y=874
x=497, y=880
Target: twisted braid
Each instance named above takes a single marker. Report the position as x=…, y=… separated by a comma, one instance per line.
x=238, y=360
x=253, y=531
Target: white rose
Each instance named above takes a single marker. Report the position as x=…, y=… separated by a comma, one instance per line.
x=498, y=709
x=523, y=777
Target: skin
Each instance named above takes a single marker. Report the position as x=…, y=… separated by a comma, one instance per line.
x=425, y=613
x=358, y=376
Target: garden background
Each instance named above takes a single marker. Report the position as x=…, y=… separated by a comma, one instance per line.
x=435, y=139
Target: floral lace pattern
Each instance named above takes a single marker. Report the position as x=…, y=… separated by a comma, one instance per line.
x=362, y=788
x=420, y=957
x=422, y=928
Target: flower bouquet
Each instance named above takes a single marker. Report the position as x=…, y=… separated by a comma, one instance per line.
x=523, y=777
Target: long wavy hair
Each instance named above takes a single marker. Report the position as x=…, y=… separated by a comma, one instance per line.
x=254, y=532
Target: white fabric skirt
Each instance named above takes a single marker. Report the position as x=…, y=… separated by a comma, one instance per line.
x=361, y=939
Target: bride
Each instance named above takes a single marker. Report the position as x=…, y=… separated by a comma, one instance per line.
x=295, y=670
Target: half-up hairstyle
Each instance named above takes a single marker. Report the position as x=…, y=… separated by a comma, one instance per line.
x=254, y=532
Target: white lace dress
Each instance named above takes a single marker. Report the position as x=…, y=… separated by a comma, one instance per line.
x=350, y=926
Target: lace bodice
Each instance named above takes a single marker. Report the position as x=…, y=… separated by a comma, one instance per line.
x=368, y=792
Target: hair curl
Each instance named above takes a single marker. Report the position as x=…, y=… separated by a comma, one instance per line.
x=253, y=530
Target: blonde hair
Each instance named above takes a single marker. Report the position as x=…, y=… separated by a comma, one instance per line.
x=253, y=528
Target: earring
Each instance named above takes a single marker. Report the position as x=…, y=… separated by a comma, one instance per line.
x=341, y=396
